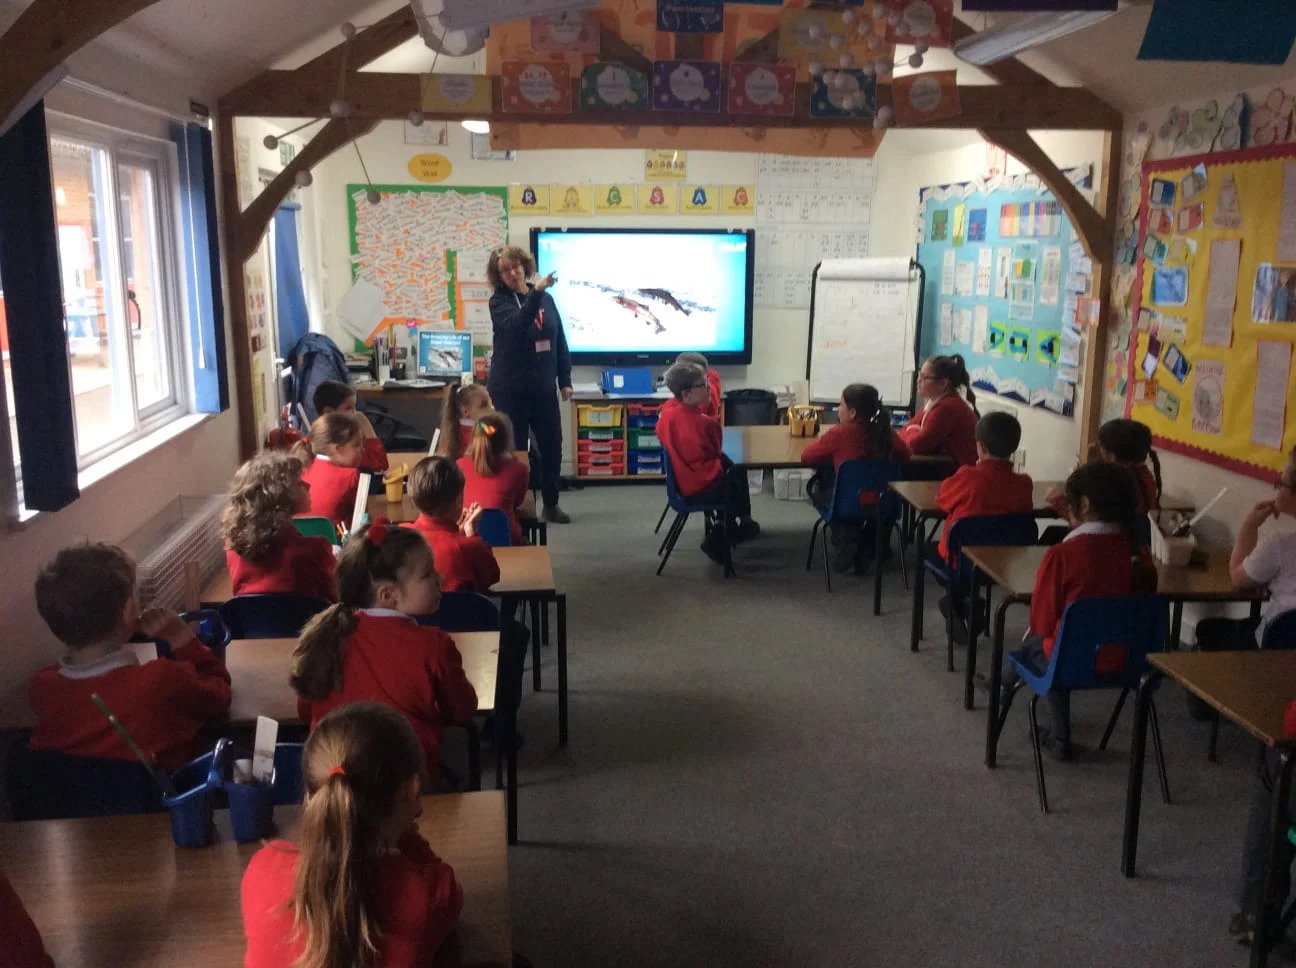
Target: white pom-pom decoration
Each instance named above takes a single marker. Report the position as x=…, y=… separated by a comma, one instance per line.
x=847, y=59
x=815, y=68
x=875, y=44
x=373, y=196
x=848, y=16
x=303, y=179
x=849, y=102
x=415, y=118
x=879, y=11
x=884, y=117
x=836, y=42
x=915, y=61
x=881, y=67
x=339, y=109
x=841, y=81
x=921, y=45
x=348, y=30
x=271, y=142
x=814, y=31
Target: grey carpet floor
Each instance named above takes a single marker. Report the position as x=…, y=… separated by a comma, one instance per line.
x=762, y=774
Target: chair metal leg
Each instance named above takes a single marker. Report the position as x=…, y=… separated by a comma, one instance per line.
x=544, y=623
x=1039, y=758
x=535, y=645
x=1158, y=750
x=671, y=537
x=998, y=720
x=1214, y=737
x=916, y=622
x=666, y=539
x=949, y=631
x=661, y=519
x=904, y=564
x=827, y=566
x=814, y=533
x=1111, y=722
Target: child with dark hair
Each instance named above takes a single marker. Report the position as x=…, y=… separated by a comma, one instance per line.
x=463, y=560
x=360, y=886
x=368, y=646
x=1129, y=443
x=692, y=441
x=1100, y=557
x=946, y=424
x=333, y=396
x=863, y=430
x=86, y=596
x=331, y=456
x=714, y=389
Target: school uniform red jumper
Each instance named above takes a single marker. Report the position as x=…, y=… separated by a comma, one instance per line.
x=714, y=393
x=373, y=455
x=294, y=565
x=504, y=490
x=332, y=489
x=947, y=429
x=1145, y=490
x=693, y=444
x=417, y=905
x=1092, y=561
x=464, y=563
x=22, y=942
x=465, y=436
x=415, y=669
x=849, y=441
x=989, y=486
x=163, y=704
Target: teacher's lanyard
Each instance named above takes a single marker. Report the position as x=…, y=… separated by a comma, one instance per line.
x=539, y=323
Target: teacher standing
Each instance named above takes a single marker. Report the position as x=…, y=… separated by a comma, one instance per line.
x=530, y=358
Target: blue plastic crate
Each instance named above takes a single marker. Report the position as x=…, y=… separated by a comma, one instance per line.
x=627, y=380
x=645, y=463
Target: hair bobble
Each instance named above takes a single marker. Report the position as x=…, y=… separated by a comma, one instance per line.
x=337, y=771
x=378, y=531
x=486, y=428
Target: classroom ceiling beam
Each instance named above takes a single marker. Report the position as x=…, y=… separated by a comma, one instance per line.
x=46, y=34
x=1095, y=370
x=392, y=96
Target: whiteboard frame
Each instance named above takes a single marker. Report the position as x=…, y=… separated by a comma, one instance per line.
x=914, y=266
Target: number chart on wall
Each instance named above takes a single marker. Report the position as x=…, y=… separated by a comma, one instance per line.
x=1215, y=307
x=1006, y=278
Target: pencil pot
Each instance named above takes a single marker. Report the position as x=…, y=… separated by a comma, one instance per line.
x=251, y=804
x=191, y=807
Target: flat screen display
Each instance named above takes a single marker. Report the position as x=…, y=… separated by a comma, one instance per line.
x=644, y=295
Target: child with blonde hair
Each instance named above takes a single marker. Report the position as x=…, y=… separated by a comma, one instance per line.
x=361, y=887
x=464, y=406
x=331, y=456
x=265, y=554
x=493, y=475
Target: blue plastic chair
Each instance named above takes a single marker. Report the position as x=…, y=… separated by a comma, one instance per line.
x=211, y=631
x=1136, y=626
x=978, y=530
x=43, y=785
x=683, y=507
x=317, y=526
x=463, y=612
x=852, y=479
x=269, y=616
x=493, y=528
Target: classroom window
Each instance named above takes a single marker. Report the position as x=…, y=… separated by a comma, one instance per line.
x=116, y=243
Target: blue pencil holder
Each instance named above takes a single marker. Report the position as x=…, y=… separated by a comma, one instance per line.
x=251, y=806
x=191, y=807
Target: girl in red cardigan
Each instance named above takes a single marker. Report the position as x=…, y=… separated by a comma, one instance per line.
x=946, y=424
x=264, y=552
x=464, y=406
x=331, y=455
x=863, y=430
x=361, y=886
x=1101, y=557
x=369, y=648
x=493, y=475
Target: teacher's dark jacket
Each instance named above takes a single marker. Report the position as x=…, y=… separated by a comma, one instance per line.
x=519, y=323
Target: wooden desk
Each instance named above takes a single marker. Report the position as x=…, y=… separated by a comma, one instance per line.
x=116, y=891
x=1250, y=688
x=921, y=496
x=420, y=408
x=380, y=394
x=761, y=447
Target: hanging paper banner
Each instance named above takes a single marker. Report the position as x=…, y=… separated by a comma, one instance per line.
x=571, y=200
x=568, y=32
x=686, y=85
x=1257, y=32
x=855, y=97
x=533, y=88
x=690, y=16
x=991, y=6
x=614, y=199
x=928, y=20
x=919, y=98
x=768, y=89
x=455, y=93
x=699, y=200
x=656, y=200
x=528, y=199
x=606, y=85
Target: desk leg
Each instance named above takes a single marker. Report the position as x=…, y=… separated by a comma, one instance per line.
x=474, y=756
x=1278, y=824
x=916, y=622
x=1176, y=625
x=882, y=538
x=974, y=620
x=1134, y=785
x=996, y=680
x=562, y=668
x=534, y=607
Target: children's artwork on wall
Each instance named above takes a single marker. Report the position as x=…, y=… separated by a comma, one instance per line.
x=535, y=88
x=686, y=85
x=1273, y=297
x=920, y=98
x=691, y=16
x=996, y=259
x=1270, y=122
x=568, y=31
x=606, y=85
x=766, y=89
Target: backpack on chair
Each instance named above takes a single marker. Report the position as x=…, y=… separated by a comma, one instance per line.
x=314, y=358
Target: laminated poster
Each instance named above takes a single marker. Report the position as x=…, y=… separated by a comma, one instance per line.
x=1208, y=398
x=1269, y=406
x=1221, y=292
x=1273, y=295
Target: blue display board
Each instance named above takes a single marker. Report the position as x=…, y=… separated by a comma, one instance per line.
x=1005, y=274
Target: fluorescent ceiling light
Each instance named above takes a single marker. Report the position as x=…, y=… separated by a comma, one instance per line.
x=476, y=126
x=1001, y=42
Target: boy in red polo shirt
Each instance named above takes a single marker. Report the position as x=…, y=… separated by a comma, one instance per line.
x=701, y=470
x=333, y=395
x=86, y=596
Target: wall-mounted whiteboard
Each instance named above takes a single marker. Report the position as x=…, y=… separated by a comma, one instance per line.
x=863, y=322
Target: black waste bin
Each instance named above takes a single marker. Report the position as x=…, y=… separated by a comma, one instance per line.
x=750, y=408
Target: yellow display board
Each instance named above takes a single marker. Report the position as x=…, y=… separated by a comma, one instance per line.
x=1215, y=307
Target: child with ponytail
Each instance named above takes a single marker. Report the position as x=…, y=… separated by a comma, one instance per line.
x=265, y=554
x=368, y=647
x=493, y=475
x=464, y=406
x=863, y=430
x=1100, y=557
x=1129, y=444
x=331, y=456
x=361, y=887
x=945, y=426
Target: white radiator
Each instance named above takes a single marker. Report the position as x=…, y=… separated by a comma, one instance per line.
x=185, y=532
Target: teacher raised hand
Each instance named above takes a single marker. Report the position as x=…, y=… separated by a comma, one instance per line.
x=529, y=358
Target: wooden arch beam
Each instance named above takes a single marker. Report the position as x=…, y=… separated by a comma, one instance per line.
x=46, y=34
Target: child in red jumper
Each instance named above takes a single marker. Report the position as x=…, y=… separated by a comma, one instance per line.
x=86, y=596
x=464, y=406
x=946, y=424
x=863, y=430
x=263, y=551
x=714, y=391
x=463, y=561
x=360, y=886
x=368, y=646
x=699, y=466
x=23, y=945
x=1101, y=557
x=1127, y=443
x=494, y=477
x=333, y=396
x=332, y=457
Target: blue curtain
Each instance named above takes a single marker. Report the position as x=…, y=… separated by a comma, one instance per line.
x=290, y=297
x=202, y=267
x=29, y=266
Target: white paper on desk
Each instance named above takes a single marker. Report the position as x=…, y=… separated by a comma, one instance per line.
x=1221, y=292
x=361, y=309
x=948, y=259
x=1269, y=408
x=980, y=327
x=263, y=749
x=984, y=270
x=1287, y=215
x=945, y=334
x=963, y=276
x=1003, y=268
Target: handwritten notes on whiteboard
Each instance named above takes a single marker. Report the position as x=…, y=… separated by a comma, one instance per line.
x=807, y=210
